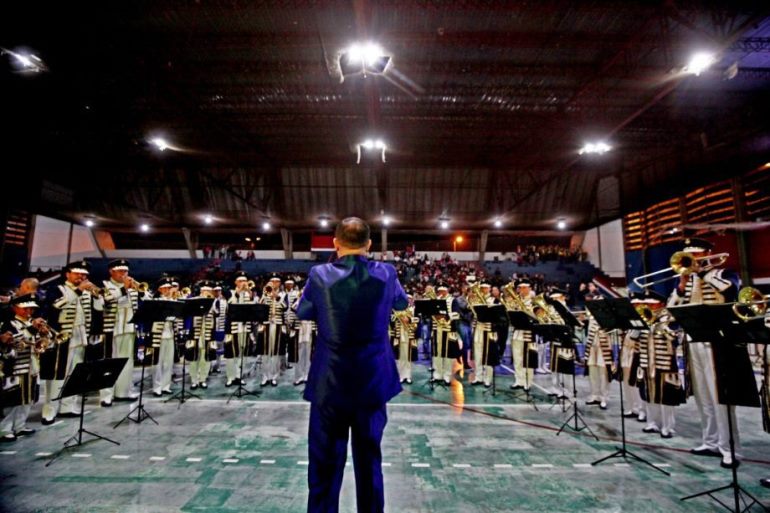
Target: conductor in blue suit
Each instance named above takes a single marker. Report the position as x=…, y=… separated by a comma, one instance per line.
x=353, y=373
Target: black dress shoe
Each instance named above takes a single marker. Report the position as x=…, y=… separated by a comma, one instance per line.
x=274, y=383
x=408, y=381
x=25, y=432
x=666, y=435
x=69, y=415
x=128, y=399
x=229, y=384
x=194, y=386
x=106, y=404
x=158, y=394
x=47, y=422
x=765, y=482
x=204, y=385
x=592, y=403
x=629, y=415
x=733, y=464
x=167, y=392
x=7, y=438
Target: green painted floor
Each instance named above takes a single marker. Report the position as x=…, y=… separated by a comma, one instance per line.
x=448, y=450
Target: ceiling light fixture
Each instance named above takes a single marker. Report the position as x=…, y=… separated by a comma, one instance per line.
x=598, y=148
x=561, y=223
x=699, y=62
x=364, y=58
x=144, y=227
x=498, y=223
x=371, y=145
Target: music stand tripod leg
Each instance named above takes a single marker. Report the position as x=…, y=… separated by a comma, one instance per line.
x=622, y=452
x=242, y=390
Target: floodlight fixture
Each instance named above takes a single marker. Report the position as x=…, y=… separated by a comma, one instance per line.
x=699, y=62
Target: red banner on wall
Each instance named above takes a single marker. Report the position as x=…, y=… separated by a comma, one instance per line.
x=321, y=243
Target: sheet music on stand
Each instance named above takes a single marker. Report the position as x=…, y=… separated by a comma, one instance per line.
x=615, y=314
x=248, y=312
x=156, y=310
x=197, y=306
x=430, y=307
x=495, y=314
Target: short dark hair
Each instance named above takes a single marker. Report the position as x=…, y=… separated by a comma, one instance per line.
x=352, y=232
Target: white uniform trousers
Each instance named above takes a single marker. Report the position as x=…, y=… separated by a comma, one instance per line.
x=661, y=416
x=716, y=433
x=524, y=377
x=542, y=362
x=52, y=388
x=199, y=369
x=597, y=375
x=271, y=362
x=403, y=363
x=123, y=347
x=631, y=398
x=558, y=384
x=482, y=373
x=304, y=345
x=233, y=365
x=15, y=419
x=161, y=378
x=442, y=367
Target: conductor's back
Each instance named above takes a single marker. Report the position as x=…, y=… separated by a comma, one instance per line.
x=352, y=373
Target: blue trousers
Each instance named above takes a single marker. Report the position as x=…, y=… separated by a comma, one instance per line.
x=330, y=426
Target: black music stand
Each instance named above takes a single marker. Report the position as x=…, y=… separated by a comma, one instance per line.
x=426, y=309
x=150, y=311
x=719, y=325
x=193, y=307
x=524, y=322
x=619, y=314
x=245, y=313
x=564, y=335
x=89, y=377
x=492, y=314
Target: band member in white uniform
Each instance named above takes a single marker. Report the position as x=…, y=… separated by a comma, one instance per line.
x=165, y=332
x=405, y=347
x=708, y=284
x=600, y=363
x=70, y=314
x=523, y=345
x=19, y=368
x=201, y=349
x=272, y=332
x=236, y=341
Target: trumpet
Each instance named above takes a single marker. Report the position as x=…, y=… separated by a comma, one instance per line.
x=751, y=304
x=93, y=289
x=682, y=263
x=250, y=285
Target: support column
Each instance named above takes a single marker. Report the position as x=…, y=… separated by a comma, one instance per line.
x=287, y=239
x=483, y=245
x=384, y=246
x=69, y=243
x=95, y=242
x=192, y=242
x=740, y=235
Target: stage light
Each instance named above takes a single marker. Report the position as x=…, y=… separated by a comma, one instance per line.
x=324, y=222
x=247, y=239
x=90, y=223
x=598, y=148
x=25, y=62
x=561, y=224
x=498, y=223
x=371, y=144
x=266, y=225
x=699, y=63
x=208, y=219
x=144, y=227
x=363, y=58
x=159, y=143
x=444, y=224
x=258, y=238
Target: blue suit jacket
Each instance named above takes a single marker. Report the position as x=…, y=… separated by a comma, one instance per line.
x=351, y=300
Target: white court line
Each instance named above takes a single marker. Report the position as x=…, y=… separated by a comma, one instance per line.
x=43, y=454
x=390, y=405
x=267, y=462
x=230, y=460
x=387, y=464
x=661, y=465
x=7, y=453
x=303, y=463
x=461, y=465
x=81, y=455
x=503, y=465
x=542, y=465
x=421, y=465
x=622, y=465
x=582, y=465
x=157, y=458
x=120, y=456
x=193, y=460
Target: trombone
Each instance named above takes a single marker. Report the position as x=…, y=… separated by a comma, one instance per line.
x=751, y=304
x=681, y=263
